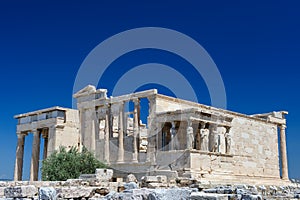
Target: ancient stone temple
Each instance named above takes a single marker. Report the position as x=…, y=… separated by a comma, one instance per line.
x=178, y=137
x=56, y=126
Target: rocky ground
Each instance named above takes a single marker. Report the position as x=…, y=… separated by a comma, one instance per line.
x=99, y=187
x=131, y=191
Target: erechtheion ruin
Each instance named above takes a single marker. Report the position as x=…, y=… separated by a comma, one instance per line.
x=57, y=126
x=179, y=136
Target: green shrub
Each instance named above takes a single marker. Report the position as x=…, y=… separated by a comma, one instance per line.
x=62, y=165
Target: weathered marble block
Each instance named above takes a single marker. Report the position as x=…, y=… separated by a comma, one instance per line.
x=20, y=192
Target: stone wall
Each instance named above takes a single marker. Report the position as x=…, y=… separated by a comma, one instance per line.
x=255, y=148
x=254, y=145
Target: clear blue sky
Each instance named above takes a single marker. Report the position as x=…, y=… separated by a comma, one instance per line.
x=256, y=46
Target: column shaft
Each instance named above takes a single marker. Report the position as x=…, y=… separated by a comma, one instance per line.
x=121, y=135
x=152, y=131
x=45, y=148
x=94, y=130
x=19, y=157
x=107, y=134
x=135, y=131
x=283, y=152
x=51, y=132
x=34, y=166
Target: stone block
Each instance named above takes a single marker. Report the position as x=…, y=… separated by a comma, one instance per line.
x=130, y=186
x=3, y=184
x=86, y=177
x=72, y=182
x=47, y=193
x=74, y=192
x=131, y=178
x=20, y=191
x=208, y=196
x=169, y=194
x=156, y=185
x=102, y=191
x=113, y=186
x=185, y=182
x=150, y=179
x=162, y=179
x=171, y=175
x=2, y=191
x=104, y=174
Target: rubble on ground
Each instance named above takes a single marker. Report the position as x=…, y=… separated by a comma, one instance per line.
x=99, y=186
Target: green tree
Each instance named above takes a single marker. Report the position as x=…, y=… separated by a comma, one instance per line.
x=62, y=165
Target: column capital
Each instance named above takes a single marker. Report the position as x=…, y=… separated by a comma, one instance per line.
x=283, y=126
x=35, y=131
x=21, y=134
x=151, y=100
x=135, y=100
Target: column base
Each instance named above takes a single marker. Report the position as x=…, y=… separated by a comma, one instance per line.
x=135, y=157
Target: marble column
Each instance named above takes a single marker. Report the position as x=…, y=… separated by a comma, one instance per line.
x=51, y=140
x=45, y=136
x=135, y=130
x=121, y=134
x=152, y=130
x=19, y=157
x=34, y=165
x=283, y=152
x=94, y=130
x=107, y=134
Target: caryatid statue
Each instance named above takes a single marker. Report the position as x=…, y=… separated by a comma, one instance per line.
x=221, y=131
x=190, y=135
x=228, y=141
x=204, y=139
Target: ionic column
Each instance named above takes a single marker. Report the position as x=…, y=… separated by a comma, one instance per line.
x=189, y=135
x=51, y=132
x=94, y=130
x=45, y=136
x=107, y=134
x=135, y=130
x=19, y=157
x=121, y=134
x=284, y=163
x=152, y=130
x=34, y=166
